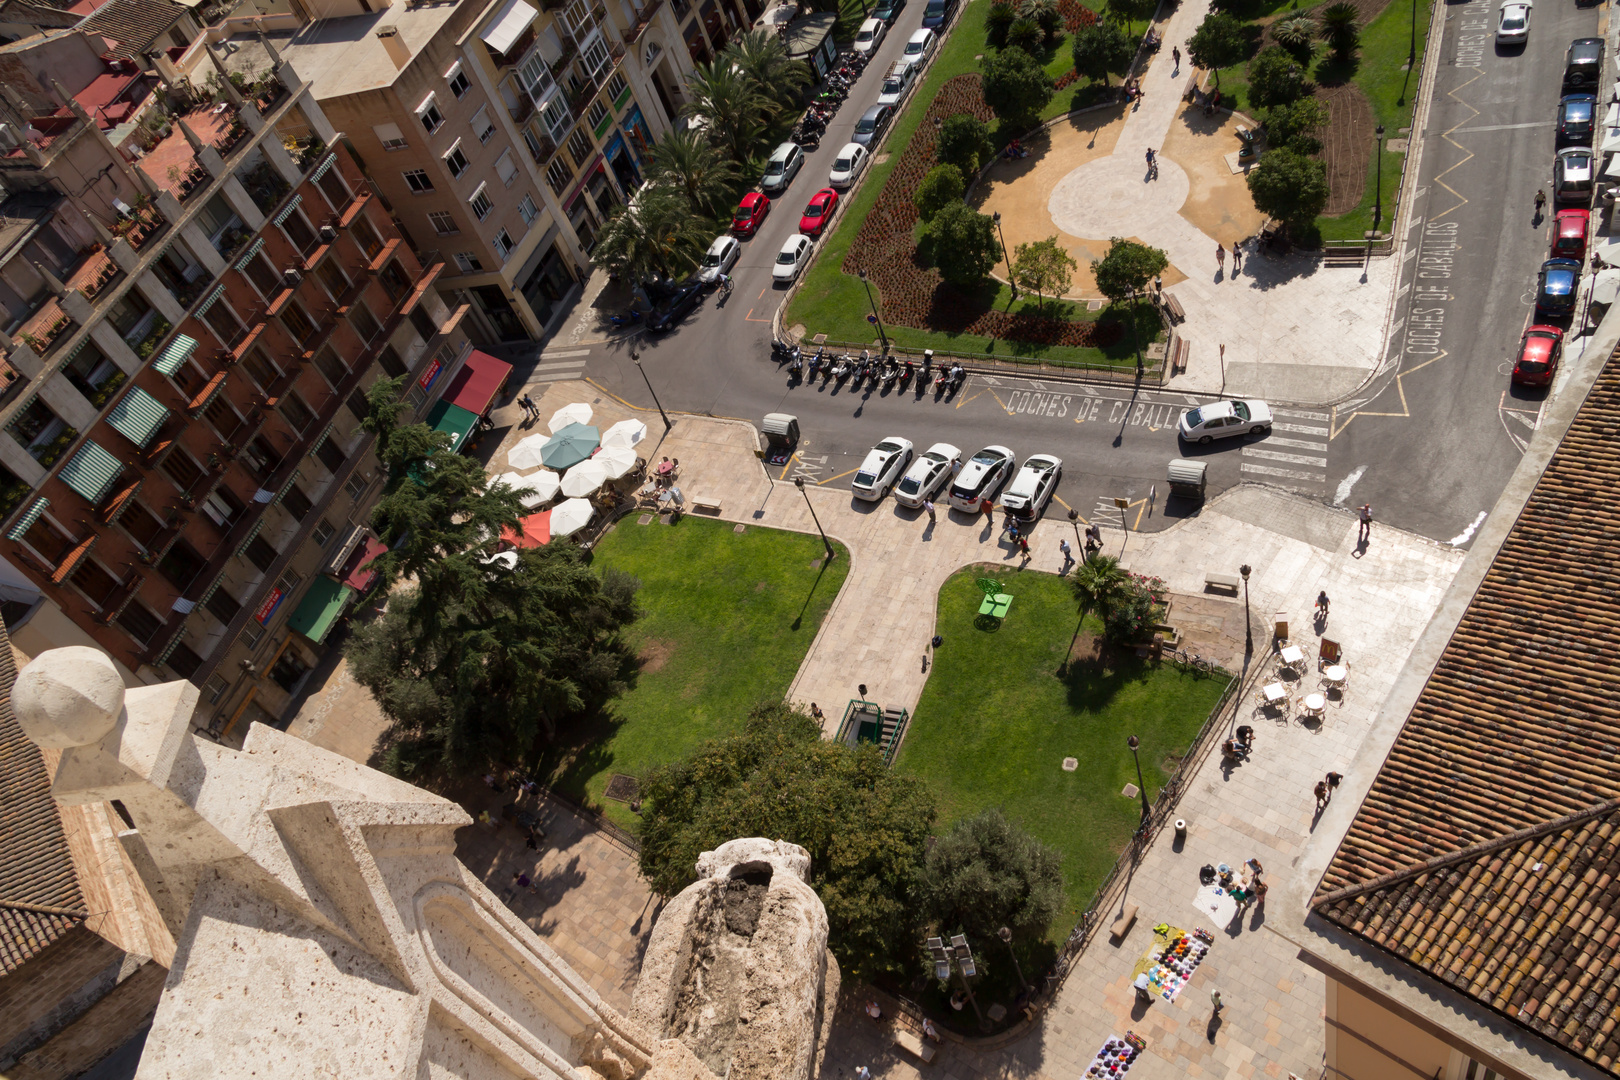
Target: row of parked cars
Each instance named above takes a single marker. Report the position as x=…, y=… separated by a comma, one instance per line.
x=893, y=465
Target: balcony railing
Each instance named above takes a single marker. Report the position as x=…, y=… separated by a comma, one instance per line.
x=643, y=20
x=45, y=327
x=522, y=110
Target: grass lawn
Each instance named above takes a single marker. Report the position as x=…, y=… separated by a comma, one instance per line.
x=728, y=619
x=996, y=721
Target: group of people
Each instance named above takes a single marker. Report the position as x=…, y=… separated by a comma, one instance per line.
x=1237, y=257
x=1325, y=788
x=1240, y=746
x=1014, y=149
x=531, y=411
x=1250, y=888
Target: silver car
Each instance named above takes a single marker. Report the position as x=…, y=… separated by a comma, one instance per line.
x=1221, y=419
x=882, y=467
x=927, y=475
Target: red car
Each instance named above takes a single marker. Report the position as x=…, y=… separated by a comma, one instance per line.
x=1538, y=356
x=1569, y=234
x=819, y=212
x=752, y=211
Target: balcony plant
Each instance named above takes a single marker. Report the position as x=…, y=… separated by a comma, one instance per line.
x=148, y=346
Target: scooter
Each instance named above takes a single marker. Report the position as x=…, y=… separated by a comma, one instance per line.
x=841, y=369
x=891, y=371
x=940, y=380
x=958, y=377
x=796, y=365
x=815, y=361
x=629, y=318
x=906, y=373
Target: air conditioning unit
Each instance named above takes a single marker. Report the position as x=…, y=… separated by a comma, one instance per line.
x=291, y=277
x=328, y=234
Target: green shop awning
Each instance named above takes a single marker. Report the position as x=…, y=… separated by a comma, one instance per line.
x=454, y=421
x=321, y=606
x=91, y=472
x=137, y=416
x=169, y=360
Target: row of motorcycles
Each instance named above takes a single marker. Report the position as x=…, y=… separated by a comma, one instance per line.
x=877, y=372
x=824, y=105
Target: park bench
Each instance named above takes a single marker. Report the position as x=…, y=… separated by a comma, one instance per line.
x=1173, y=306
x=710, y=505
x=1213, y=580
x=1178, y=354
x=1122, y=925
x=911, y=1043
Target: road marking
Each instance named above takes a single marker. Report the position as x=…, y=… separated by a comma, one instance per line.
x=1292, y=459
x=1468, y=534
x=555, y=376
x=563, y=353
x=750, y=317
x=1291, y=474
x=560, y=364
x=1347, y=483
x=1300, y=429
x=1303, y=444
x=1302, y=414
x=1502, y=127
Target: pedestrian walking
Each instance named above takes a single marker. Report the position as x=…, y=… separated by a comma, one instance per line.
x=815, y=712
x=1152, y=166
x=1068, y=556
x=1333, y=779
x=1364, y=531
x=1215, y=999
x=928, y=505
x=874, y=1010
x=1541, y=203
x=1322, y=603
x=930, y=1031
x=1175, y=54
x=1322, y=795
x=1023, y=547
x=1220, y=256
x=862, y=1073
x=1237, y=257
x=989, y=509
x=523, y=881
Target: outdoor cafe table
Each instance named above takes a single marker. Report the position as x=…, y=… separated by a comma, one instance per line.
x=1334, y=674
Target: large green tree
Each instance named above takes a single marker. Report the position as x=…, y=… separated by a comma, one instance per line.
x=964, y=141
x=965, y=246
x=1043, y=267
x=1102, y=49
x=1341, y=29
x=659, y=235
x=863, y=825
x=1016, y=87
x=1289, y=186
x=762, y=56
x=1276, y=77
x=940, y=188
x=1295, y=125
x=688, y=162
x=1124, y=272
x=987, y=873
x=733, y=108
x=1220, y=41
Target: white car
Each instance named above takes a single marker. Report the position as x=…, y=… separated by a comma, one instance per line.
x=721, y=258
x=848, y=165
x=791, y=259
x=980, y=477
x=918, y=46
x=1513, y=23
x=1032, y=488
x=927, y=475
x=895, y=85
x=870, y=35
x=882, y=467
x=1220, y=419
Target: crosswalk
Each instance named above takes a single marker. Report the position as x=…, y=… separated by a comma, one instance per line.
x=556, y=366
x=1294, y=455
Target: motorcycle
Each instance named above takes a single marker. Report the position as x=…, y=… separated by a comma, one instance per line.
x=840, y=370
x=958, y=376
x=940, y=380
x=629, y=318
x=796, y=365
x=815, y=361
x=891, y=371
x=906, y=373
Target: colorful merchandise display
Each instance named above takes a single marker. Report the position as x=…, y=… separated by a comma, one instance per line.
x=1115, y=1057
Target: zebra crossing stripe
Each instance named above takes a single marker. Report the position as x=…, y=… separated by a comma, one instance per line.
x=1303, y=444
x=1301, y=414
x=1300, y=429
x=1291, y=474
x=1294, y=459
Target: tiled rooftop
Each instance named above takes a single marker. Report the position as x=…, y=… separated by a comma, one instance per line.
x=1485, y=853
x=132, y=25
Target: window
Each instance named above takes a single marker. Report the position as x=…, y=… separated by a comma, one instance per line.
x=143, y=526
x=558, y=175
x=423, y=323
x=535, y=75
x=364, y=323
x=455, y=160
x=260, y=458
x=593, y=56
x=298, y=231
x=556, y=117
x=181, y=470
x=334, y=187
x=443, y=223
x=390, y=362
x=331, y=455
x=503, y=244
x=616, y=87
x=222, y=507
x=95, y=376
x=429, y=114
x=468, y=262
x=356, y=487
x=183, y=661
x=358, y=405
x=262, y=274
x=181, y=564
x=47, y=540
x=364, y=235
x=139, y=623
x=481, y=206
x=288, y=670
x=580, y=145
x=457, y=80
x=395, y=282
x=261, y=368
x=297, y=414
x=527, y=210
x=216, y=688
x=506, y=168
x=41, y=432
x=323, y=532
x=223, y=322
x=418, y=181
x=296, y=503
x=261, y=554
x=297, y=322
x=331, y=366
x=93, y=580
x=252, y=634
x=482, y=126
x=598, y=115
x=332, y=276
x=390, y=136
x=224, y=418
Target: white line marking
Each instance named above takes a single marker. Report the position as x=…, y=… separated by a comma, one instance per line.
x=560, y=364
x=1468, y=534
x=566, y=352
x=1293, y=474
x=1301, y=414
x=1347, y=483
x=1292, y=459
x=1501, y=127
x=554, y=376
x=1300, y=429
x=1275, y=440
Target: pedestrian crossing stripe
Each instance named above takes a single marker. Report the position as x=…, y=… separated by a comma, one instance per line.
x=1291, y=474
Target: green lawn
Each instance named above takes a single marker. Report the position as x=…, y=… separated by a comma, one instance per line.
x=997, y=719
x=728, y=619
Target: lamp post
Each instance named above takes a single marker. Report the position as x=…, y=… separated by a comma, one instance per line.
x=1248, y=630
x=1378, y=198
x=636, y=357
x=1411, y=56
x=1011, y=284
x=959, y=952
x=1005, y=935
x=876, y=318
x=1074, y=519
x=798, y=482
x=1141, y=786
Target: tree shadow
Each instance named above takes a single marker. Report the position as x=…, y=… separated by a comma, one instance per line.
x=1097, y=672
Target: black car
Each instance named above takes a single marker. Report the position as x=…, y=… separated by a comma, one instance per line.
x=1576, y=117
x=1583, y=63
x=888, y=9
x=873, y=123
x=677, y=307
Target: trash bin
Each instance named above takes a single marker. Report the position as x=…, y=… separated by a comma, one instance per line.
x=781, y=432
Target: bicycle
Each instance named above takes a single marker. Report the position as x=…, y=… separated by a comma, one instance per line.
x=1186, y=658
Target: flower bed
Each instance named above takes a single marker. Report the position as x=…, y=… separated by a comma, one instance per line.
x=916, y=296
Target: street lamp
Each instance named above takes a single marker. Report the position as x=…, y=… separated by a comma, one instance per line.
x=798, y=482
x=1378, y=198
x=1011, y=284
x=876, y=318
x=1074, y=519
x=1248, y=630
x=1006, y=935
x=636, y=357
x=959, y=952
x=1141, y=786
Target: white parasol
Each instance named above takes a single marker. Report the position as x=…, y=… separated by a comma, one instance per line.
x=616, y=460
x=525, y=453
x=584, y=478
x=1606, y=287
x=570, y=516
x=577, y=413
x=533, y=489
x=625, y=433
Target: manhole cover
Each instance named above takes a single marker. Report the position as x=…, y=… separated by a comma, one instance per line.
x=622, y=788
x=1129, y=792
x=644, y=519
x=1070, y=764
x=739, y=528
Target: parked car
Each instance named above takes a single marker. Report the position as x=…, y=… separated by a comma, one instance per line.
x=1538, y=356
x=896, y=83
x=847, y=165
x=721, y=257
x=818, y=212
x=918, y=46
x=870, y=35
x=1576, y=119
x=938, y=12
x=1513, y=23
x=1583, y=63
x=1573, y=172
x=750, y=213
x=882, y=467
x=980, y=478
x=1220, y=419
x=1032, y=488
x=677, y=307
x=1556, y=286
x=791, y=259
x=888, y=9
x=927, y=475
x=1569, y=232
x=785, y=163
x=873, y=123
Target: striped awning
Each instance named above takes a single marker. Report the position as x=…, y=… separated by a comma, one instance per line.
x=320, y=441
x=219, y=291
x=208, y=593
x=138, y=416
x=324, y=166
x=291, y=480
x=286, y=211
x=253, y=249
x=91, y=472
x=120, y=503
x=169, y=360
x=70, y=562
x=251, y=536
x=184, y=606
x=168, y=650
x=28, y=518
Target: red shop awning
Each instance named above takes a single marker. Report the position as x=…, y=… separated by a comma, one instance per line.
x=357, y=573
x=475, y=384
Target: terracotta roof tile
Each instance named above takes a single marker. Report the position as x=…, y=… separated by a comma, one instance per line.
x=1487, y=852
x=132, y=24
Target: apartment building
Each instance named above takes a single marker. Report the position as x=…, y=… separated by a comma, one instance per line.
x=189, y=339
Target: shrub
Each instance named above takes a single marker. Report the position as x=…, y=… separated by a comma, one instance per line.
x=1276, y=78
x=997, y=23
x=940, y=188
x=1135, y=609
x=964, y=141
x=1026, y=34
x=1295, y=124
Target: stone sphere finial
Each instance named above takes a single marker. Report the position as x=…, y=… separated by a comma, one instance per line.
x=68, y=697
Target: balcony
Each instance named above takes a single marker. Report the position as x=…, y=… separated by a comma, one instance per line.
x=643, y=20
x=541, y=148
x=45, y=327
x=522, y=110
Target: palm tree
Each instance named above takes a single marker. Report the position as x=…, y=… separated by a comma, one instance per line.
x=1339, y=28
x=687, y=161
x=761, y=55
x=731, y=107
x=1097, y=584
x=658, y=235
x=1297, y=33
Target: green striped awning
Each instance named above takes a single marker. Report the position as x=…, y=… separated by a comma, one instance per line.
x=321, y=606
x=208, y=593
x=30, y=516
x=286, y=211
x=168, y=650
x=137, y=416
x=254, y=532
x=291, y=480
x=253, y=249
x=454, y=421
x=91, y=472
x=219, y=291
x=180, y=349
x=324, y=166
x=320, y=441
